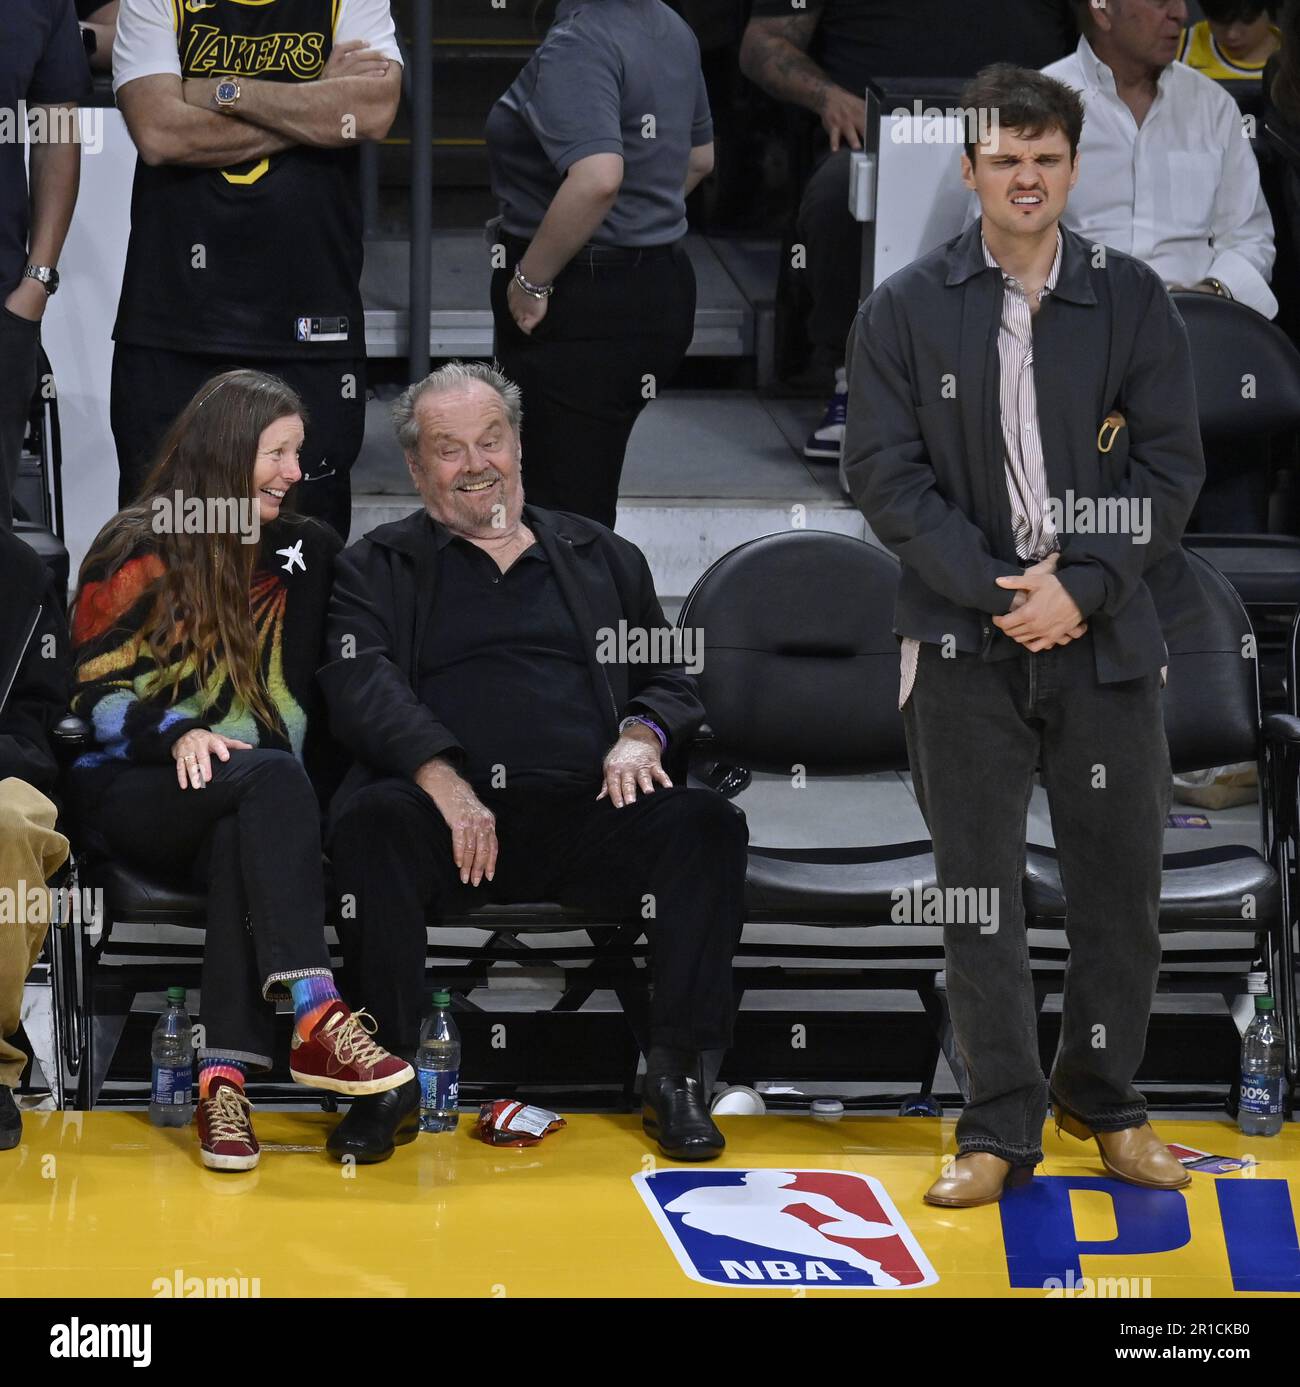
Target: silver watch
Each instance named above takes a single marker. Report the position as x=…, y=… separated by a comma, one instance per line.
x=46, y=276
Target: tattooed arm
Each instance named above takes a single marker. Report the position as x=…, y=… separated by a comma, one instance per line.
x=774, y=55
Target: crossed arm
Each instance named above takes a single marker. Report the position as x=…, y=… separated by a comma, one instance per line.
x=174, y=121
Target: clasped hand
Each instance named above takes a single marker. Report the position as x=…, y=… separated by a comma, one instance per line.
x=1043, y=613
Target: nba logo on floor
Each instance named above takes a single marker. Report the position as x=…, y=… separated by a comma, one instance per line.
x=824, y=1229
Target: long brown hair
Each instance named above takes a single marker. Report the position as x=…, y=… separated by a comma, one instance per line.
x=201, y=601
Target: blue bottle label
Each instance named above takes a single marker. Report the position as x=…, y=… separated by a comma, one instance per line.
x=172, y=1084
x=439, y=1089
x=1260, y=1095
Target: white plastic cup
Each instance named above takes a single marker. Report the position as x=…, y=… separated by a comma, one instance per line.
x=738, y=1101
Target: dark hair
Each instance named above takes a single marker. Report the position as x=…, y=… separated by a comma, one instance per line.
x=1021, y=99
x=1234, y=11
x=201, y=602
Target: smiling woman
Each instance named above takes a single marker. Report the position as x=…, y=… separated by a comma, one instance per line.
x=195, y=658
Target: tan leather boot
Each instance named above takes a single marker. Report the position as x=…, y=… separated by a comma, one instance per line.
x=1134, y=1154
x=977, y=1178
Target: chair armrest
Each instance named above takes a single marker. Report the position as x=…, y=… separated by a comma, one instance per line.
x=70, y=737
x=722, y=776
x=1283, y=728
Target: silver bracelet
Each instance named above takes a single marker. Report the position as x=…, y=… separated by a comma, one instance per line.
x=536, y=291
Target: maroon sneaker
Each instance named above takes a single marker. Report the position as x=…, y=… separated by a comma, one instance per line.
x=226, y=1137
x=340, y=1055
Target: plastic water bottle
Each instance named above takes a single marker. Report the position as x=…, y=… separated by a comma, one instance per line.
x=438, y=1066
x=172, y=1102
x=1243, y=1006
x=1259, y=1100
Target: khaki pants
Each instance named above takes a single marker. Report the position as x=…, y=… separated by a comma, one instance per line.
x=31, y=851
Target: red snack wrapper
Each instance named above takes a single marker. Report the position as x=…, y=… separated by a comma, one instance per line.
x=508, y=1122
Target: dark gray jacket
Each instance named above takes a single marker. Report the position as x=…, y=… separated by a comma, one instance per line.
x=923, y=448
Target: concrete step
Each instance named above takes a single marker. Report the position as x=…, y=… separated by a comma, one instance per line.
x=680, y=540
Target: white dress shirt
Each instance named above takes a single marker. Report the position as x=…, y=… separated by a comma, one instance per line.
x=1181, y=191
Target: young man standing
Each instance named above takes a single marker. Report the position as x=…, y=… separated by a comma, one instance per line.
x=999, y=388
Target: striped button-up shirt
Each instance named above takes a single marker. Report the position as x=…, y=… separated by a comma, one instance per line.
x=1026, y=475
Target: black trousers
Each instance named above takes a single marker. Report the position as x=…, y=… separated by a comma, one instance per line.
x=150, y=387
x=251, y=837
x=975, y=732
x=19, y=339
x=833, y=241
x=614, y=331
x=674, y=858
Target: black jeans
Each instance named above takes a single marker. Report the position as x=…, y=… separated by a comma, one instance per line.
x=251, y=837
x=681, y=849
x=975, y=734
x=19, y=339
x=150, y=387
x=614, y=329
x=833, y=241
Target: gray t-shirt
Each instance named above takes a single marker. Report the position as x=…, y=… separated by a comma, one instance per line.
x=612, y=77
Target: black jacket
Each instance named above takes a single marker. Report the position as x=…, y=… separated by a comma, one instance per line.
x=34, y=672
x=384, y=589
x=923, y=449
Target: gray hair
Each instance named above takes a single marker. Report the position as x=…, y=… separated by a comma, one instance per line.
x=454, y=374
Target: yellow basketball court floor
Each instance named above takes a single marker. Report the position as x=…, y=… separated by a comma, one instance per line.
x=103, y=1204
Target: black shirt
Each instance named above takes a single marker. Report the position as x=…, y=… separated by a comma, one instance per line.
x=505, y=670
x=858, y=39
x=41, y=60
x=261, y=260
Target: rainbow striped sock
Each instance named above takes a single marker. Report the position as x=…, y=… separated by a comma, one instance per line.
x=214, y=1067
x=312, y=998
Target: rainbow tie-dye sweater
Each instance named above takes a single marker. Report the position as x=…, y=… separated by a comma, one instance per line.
x=289, y=598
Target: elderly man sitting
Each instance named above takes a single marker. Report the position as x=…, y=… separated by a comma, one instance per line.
x=501, y=756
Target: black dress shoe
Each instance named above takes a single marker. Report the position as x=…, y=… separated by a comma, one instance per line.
x=674, y=1111
x=11, y=1120
x=376, y=1123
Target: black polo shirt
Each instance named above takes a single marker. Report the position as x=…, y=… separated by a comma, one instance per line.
x=504, y=668
x=42, y=61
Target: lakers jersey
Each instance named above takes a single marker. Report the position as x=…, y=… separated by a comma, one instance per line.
x=1200, y=50
x=262, y=259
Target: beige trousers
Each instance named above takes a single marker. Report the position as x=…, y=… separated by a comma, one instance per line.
x=31, y=851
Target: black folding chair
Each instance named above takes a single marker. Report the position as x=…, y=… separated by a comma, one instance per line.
x=1248, y=390
x=800, y=676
